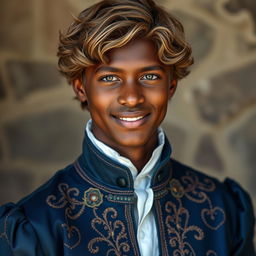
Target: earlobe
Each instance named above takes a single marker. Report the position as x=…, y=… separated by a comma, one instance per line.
x=173, y=87
x=79, y=90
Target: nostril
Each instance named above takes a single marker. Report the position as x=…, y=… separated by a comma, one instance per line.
x=131, y=97
x=131, y=101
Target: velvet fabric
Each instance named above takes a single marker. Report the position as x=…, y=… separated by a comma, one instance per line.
x=88, y=209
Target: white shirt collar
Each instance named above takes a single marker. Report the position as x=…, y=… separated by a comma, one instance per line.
x=146, y=171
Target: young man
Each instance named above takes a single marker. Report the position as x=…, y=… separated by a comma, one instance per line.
x=124, y=195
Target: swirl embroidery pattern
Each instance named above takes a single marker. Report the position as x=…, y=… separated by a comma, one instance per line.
x=110, y=231
x=211, y=253
x=177, y=221
x=178, y=229
x=74, y=209
x=212, y=216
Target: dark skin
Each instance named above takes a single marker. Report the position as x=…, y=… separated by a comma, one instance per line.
x=128, y=98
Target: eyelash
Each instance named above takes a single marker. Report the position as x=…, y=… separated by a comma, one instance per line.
x=105, y=78
x=115, y=78
x=156, y=77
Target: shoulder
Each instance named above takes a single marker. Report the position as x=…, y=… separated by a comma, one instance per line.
x=224, y=202
x=16, y=233
x=227, y=190
x=18, y=222
x=37, y=197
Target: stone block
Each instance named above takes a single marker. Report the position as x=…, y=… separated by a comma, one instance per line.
x=198, y=33
x=2, y=90
x=206, y=4
x=234, y=6
x=14, y=184
x=52, y=137
x=207, y=154
x=27, y=76
x=56, y=16
x=226, y=94
x=1, y=150
x=243, y=145
x=17, y=26
x=177, y=137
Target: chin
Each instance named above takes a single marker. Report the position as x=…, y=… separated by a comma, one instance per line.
x=134, y=141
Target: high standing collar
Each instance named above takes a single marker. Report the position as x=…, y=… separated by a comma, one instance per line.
x=108, y=172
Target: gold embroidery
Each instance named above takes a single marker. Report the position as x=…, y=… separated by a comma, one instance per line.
x=133, y=241
x=214, y=217
x=4, y=234
x=195, y=190
x=211, y=253
x=73, y=235
x=176, y=188
x=177, y=221
x=178, y=229
x=110, y=231
x=74, y=209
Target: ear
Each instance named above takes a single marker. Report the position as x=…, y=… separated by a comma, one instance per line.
x=173, y=87
x=79, y=90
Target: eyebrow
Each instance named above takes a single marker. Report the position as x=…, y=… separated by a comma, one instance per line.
x=113, y=69
x=150, y=68
x=108, y=69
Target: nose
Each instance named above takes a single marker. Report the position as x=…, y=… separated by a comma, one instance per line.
x=131, y=95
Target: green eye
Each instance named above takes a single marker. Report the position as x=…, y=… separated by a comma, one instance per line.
x=109, y=78
x=150, y=77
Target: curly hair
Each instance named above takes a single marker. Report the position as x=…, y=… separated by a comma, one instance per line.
x=111, y=24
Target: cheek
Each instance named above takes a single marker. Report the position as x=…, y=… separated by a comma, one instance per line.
x=159, y=99
x=99, y=101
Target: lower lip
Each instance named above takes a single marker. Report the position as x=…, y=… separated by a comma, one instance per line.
x=132, y=124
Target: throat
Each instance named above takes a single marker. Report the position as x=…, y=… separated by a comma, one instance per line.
x=139, y=157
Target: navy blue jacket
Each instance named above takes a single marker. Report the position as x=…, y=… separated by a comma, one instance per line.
x=88, y=209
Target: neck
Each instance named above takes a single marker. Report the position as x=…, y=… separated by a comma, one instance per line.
x=138, y=154
x=139, y=157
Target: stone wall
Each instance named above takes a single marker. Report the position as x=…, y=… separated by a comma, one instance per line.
x=211, y=122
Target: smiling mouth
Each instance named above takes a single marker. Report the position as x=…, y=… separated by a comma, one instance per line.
x=131, y=122
x=131, y=119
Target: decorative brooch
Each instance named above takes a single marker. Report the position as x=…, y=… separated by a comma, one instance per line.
x=93, y=197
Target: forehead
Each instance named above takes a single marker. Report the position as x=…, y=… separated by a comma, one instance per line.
x=133, y=52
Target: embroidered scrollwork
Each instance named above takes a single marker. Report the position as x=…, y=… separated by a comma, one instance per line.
x=211, y=253
x=74, y=207
x=214, y=217
x=195, y=190
x=111, y=231
x=72, y=236
x=178, y=229
x=70, y=199
x=177, y=222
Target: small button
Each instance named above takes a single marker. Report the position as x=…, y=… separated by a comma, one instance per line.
x=121, y=182
x=160, y=176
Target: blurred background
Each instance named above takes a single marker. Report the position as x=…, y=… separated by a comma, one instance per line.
x=211, y=122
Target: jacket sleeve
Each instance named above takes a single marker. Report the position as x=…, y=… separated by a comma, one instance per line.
x=244, y=220
x=17, y=237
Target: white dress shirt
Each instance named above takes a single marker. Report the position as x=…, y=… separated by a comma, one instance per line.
x=146, y=226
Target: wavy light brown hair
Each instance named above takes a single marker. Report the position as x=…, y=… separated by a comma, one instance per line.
x=111, y=24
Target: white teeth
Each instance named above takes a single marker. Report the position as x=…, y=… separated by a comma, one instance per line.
x=130, y=119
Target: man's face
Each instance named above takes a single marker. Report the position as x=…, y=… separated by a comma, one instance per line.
x=128, y=97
